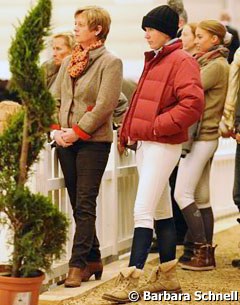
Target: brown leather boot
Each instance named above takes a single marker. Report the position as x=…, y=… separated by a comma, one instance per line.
x=202, y=260
x=74, y=278
x=95, y=268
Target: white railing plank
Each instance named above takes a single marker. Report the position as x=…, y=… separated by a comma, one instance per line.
x=117, y=195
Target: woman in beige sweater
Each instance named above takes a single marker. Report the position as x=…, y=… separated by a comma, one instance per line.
x=86, y=89
x=192, y=185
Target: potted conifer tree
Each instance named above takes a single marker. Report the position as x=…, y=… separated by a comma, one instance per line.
x=38, y=229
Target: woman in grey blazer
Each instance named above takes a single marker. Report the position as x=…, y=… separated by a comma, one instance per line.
x=86, y=89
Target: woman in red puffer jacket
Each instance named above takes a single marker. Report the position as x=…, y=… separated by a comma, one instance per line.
x=169, y=98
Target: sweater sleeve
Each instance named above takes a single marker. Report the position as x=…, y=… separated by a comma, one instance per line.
x=232, y=97
x=55, y=90
x=237, y=114
x=190, y=100
x=120, y=109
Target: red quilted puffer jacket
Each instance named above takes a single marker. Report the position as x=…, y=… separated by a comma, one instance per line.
x=169, y=98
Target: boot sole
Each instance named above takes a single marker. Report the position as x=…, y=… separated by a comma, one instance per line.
x=123, y=301
x=174, y=291
x=207, y=268
x=113, y=299
x=178, y=291
x=71, y=285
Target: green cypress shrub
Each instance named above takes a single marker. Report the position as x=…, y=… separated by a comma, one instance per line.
x=39, y=230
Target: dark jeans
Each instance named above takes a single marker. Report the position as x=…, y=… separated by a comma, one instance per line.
x=236, y=186
x=83, y=165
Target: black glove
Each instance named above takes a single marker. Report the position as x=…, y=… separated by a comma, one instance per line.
x=53, y=144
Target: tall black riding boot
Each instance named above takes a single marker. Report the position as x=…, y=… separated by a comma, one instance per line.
x=141, y=244
x=167, y=239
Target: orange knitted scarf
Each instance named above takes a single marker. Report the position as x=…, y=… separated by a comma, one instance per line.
x=80, y=58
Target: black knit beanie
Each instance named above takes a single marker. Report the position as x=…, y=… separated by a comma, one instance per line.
x=162, y=18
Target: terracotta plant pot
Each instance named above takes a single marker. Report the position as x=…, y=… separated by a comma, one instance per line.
x=19, y=290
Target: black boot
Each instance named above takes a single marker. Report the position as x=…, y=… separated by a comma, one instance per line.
x=167, y=240
x=141, y=244
x=236, y=263
x=188, y=252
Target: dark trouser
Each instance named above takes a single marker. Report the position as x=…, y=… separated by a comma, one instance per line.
x=83, y=165
x=236, y=187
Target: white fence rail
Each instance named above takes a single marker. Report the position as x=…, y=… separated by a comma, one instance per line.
x=117, y=194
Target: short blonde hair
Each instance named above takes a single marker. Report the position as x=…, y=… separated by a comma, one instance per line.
x=214, y=27
x=96, y=16
x=225, y=16
x=68, y=38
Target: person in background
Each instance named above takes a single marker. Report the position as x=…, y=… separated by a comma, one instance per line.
x=192, y=185
x=230, y=112
x=181, y=226
x=7, y=92
x=225, y=19
x=183, y=19
x=3, y=89
x=168, y=99
x=86, y=90
x=230, y=125
x=231, y=119
x=128, y=88
x=236, y=186
x=62, y=45
x=7, y=109
x=188, y=38
x=188, y=41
